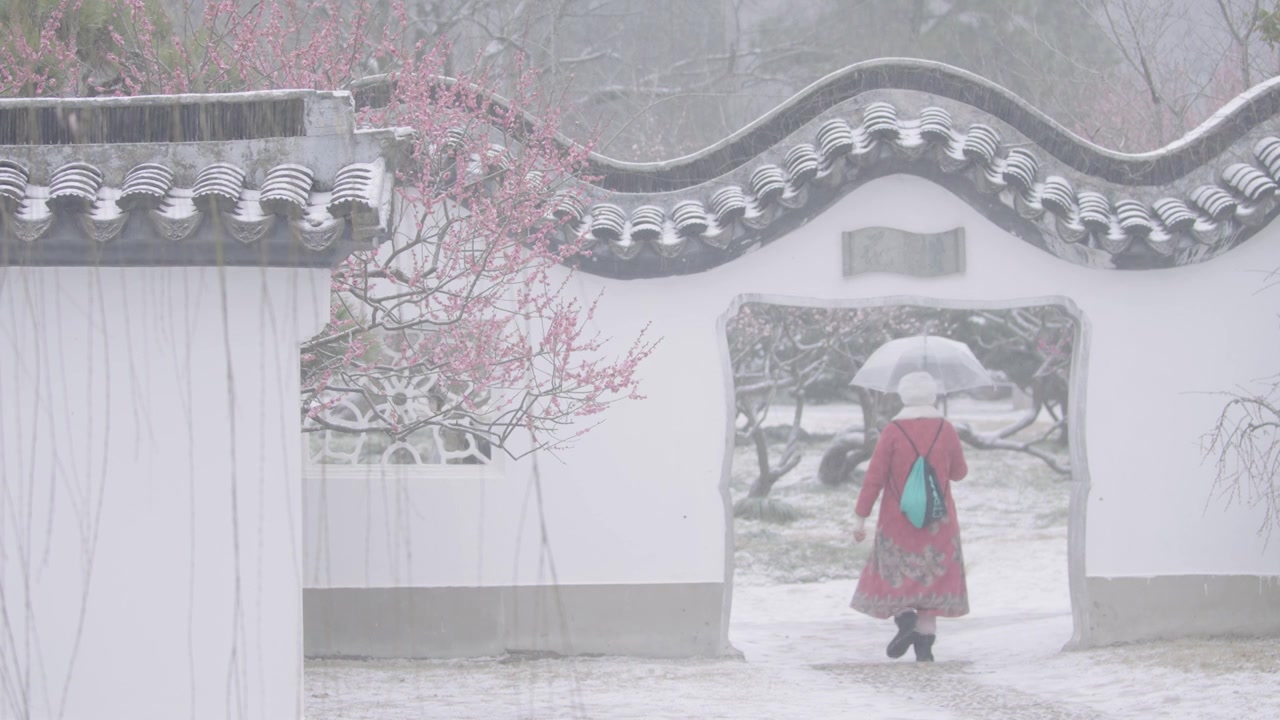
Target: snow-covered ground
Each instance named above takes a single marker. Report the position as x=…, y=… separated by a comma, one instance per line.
x=808, y=656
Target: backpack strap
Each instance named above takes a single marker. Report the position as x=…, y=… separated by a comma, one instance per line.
x=917, y=452
x=936, y=435
x=926, y=456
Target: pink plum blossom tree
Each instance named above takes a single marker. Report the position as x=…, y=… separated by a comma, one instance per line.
x=461, y=322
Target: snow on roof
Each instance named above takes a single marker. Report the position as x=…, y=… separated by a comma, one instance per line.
x=274, y=178
x=1187, y=202
x=287, y=175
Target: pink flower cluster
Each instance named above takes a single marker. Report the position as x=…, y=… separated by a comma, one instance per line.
x=473, y=287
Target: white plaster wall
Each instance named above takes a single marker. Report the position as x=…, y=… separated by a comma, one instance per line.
x=150, y=531
x=637, y=501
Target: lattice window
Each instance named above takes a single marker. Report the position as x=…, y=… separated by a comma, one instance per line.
x=365, y=428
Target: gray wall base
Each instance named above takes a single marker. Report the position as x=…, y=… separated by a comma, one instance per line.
x=657, y=620
x=1129, y=609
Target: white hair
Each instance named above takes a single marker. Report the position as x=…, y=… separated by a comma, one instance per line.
x=918, y=389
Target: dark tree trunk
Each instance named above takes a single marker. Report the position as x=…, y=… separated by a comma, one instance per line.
x=766, y=478
x=791, y=454
x=846, y=453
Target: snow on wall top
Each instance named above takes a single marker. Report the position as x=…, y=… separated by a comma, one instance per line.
x=1182, y=204
x=274, y=178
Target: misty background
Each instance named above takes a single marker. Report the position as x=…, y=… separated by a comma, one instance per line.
x=657, y=79
x=663, y=78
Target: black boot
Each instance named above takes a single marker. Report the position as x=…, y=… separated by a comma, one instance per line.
x=906, y=634
x=924, y=647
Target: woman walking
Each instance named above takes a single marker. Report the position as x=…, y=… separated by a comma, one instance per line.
x=914, y=574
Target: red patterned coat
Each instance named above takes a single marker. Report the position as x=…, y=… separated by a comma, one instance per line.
x=910, y=567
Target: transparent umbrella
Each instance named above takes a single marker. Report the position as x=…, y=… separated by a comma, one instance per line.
x=950, y=362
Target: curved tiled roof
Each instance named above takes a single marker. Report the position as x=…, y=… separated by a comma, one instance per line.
x=305, y=198
x=149, y=192
x=1182, y=204
x=309, y=188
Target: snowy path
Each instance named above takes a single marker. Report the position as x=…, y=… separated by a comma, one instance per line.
x=990, y=668
x=808, y=656
x=975, y=655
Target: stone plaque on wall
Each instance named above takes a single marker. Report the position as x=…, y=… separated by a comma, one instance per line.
x=890, y=250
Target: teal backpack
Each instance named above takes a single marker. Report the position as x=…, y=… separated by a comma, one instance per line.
x=921, y=499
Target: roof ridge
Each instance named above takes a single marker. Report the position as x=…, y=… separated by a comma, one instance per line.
x=1156, y=167
x=1068, y=213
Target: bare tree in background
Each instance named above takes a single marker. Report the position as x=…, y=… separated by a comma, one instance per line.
x=1031, y=347
x=780, y=352
x=1183, y=61
x=657, y=79
x=1244, y=446
x=791, y=357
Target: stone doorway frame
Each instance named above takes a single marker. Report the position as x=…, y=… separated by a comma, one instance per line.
x=1076, y=408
